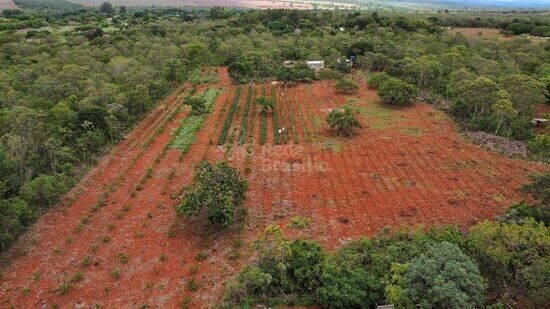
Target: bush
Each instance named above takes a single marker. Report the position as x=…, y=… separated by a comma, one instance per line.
x=217, y=191
x=198, y=105
x=343, y=121
x=345, y=281
x=374, y=80
x=346, y=85
x=45, y=190
x=15, y=216
x=539, y=188
x=396, y=92
x=540, y=146
x=514, y=257
x=443, y=277
x=285, y=272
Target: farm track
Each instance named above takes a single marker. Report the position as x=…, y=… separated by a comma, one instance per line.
x=403, y=167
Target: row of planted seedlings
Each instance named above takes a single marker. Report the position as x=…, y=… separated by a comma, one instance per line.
x=274, y=116
x=108, y=189
x=314, y=120
x=112, y=186
x=229, y=117
x=300, y=116
x=154, y=119
x=244, y=119
x=286, y=119
x=263, y=123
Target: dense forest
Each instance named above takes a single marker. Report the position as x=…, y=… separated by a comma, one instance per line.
x=74, y=80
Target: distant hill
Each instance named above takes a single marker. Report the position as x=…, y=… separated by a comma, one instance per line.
x=6, y=4
x=523, y=4
x=410, y=4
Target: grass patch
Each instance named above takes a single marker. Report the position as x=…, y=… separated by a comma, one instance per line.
x=185, y=134
x=412, y=131
x=298, y=222
x=379, y=117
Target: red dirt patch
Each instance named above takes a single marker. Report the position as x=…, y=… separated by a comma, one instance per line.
x=403, y=167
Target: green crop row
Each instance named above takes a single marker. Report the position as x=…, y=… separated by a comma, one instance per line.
x=229, y=118
x=244, y=122
x=263, y=124
x=274, y=116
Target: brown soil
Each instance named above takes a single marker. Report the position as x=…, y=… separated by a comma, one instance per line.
x=404, y=166
x=476, y=31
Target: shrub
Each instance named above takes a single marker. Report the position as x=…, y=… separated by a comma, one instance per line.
x=198, y=105
x=514, y=257
x=443, y=277
x=264, y=103
x=539, y=187
x=285, y=270
x=540, y=146
x=343, y=121
x=396, y=92
x=374, y=80
x=346, y=85
x=217, y=191
x=345, y=281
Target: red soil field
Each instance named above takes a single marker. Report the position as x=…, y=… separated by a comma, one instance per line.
x=403, y=167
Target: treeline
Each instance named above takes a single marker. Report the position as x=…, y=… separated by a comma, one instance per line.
x=535, y=24
x=501, y=264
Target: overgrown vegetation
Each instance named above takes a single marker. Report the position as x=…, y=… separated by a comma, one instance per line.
x=215, y=195
x=343, y=120
x=346, y=85
x=201, y=105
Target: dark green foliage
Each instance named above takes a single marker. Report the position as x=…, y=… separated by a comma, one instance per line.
x=264, y=104
x=345, y=280
x=521, y=211
x=346, y=85
x=15, y=215
x=229, y=117
x=286, y=271
x=539, y=188
x=44, y=190
x=443, y=277
x=539, y=146
x=198, y=105
x=343, y=120
x=396, y=92
x=244, y=120
x=274, y=117
x=298, y=73
x=215, y=194
x=107, y=8
x=374, y=80
x=514, y=259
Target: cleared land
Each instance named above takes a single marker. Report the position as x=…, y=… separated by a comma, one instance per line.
x=117, y=241
x=6, y=4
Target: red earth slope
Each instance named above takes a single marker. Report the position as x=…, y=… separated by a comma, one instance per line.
x=403, y=167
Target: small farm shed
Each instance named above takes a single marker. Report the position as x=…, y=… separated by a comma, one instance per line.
x=540, y=122
x=316, y=64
